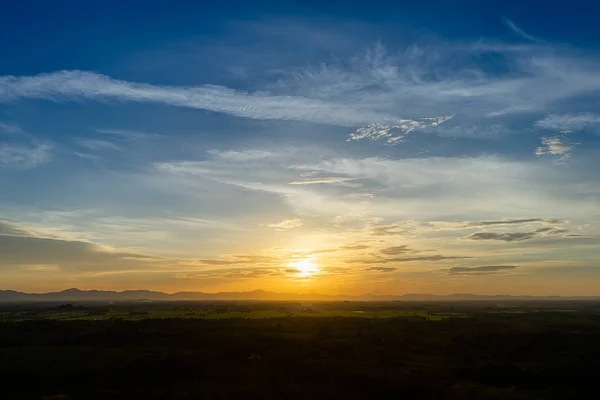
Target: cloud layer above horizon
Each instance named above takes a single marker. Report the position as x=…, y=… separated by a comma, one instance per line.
x=438, y=165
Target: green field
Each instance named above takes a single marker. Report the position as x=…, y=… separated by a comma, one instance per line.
x=293, y=350
x=94, y=313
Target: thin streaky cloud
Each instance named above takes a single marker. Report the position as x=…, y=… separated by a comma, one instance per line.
x=11, y=129
x=97, y=144
x=483, y=270
x=131, y=134
x=286, y=224
x=381, y=269
x=567, y=123
x=321, y=180
x=515, y=221
x=435, y=257
x=73, y=85
x=504, y=237
x=25, y=156
x=521, y=32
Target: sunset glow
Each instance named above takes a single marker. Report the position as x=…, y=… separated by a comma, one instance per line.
x=306, y=268
x=272, y=152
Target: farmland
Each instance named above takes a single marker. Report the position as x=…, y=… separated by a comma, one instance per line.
x=221, y=310
x=293, y=350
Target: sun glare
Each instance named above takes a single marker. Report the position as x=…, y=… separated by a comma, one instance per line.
x=306, y=268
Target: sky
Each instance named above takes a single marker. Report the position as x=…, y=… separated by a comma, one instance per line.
x=327, y=147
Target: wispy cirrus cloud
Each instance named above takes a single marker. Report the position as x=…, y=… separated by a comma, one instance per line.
x=65, y=85
x=381, y=269
x=569, y=122
x=25, y=156
x=97, y=144
x=483, y=270
x=513, y=27
x=354, y=247
x=129, y=134
x=515, y=236
x=11, y=129
x=286, y=224
x=321, y=180
x=504, y=237
x=426, y=83
x=513, y=222
x=435, y=257
x=394, y=250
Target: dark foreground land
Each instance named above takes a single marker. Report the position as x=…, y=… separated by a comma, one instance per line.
x=545, y=350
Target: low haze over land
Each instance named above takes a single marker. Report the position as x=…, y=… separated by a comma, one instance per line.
x=300, y=148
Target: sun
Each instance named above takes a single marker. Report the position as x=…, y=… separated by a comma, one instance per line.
x=306, y=268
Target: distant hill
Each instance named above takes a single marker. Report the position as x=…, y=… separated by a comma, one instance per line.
x=148, y=295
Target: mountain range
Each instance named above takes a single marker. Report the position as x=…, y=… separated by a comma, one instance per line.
x=74, y=295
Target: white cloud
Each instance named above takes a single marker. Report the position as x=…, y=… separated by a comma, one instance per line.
x=476, y=188
x=286, y=224
x=555, y=146
x=24, y=156
x=12, y=129
x=97, y=144
x=482, y=131
x=63, y=85
x=130, y=134
x=569, y=122
x=321, y=180
x=520, y=31
x=397, y=130
x=367, y=90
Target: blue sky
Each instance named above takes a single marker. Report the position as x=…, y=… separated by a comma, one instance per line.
x=338, y=147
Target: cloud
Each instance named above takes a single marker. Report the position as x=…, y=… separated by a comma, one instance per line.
x=234, y=273
x=389, y=189
x=551, y=231
x=516, y=236
x=241, y=259
x=386, y=230
x=87, y=156
x=390, y=251
x=11, y=228
x=42, y=268
x=257, y=258
x=520, y=31
x=322, y=251
x=354, y=247
x=436, y=257
x=12, y=129
x=97, y=144
x=514, y=222
x=286, y=224
x=70, y=255
x=484, y=270
x=321, y=180
x=569, y=122
x=505, y=237
x=397, y=130
x=219, y=262
x=129, y=134
x=483, y=130
x=420, y=228
x=73, y=85
x=555, y=146
x=24, y=156
x=381, y=269
x=365, y=90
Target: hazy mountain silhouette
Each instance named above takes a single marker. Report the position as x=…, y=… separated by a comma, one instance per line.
x=75, y=294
